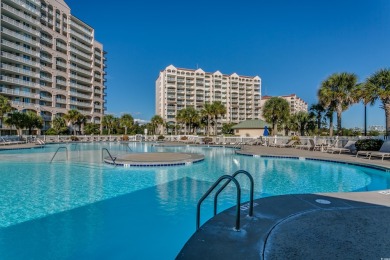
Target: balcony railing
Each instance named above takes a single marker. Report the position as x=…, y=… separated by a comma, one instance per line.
x=19, y=70
x=47, y=59
x=80, y=28
x=84, y=47
x=27, y=7
x=20, y=59
x=19, y=48
x=19, y=81
x=78, y=69
x=84, y=38
x=85, y=80
x=24, y=104
x=20, y=25
x=89, y=57
x=20, y=36
x=20, y=14
x=81, y=87
x=86, y=64
x=17, y=93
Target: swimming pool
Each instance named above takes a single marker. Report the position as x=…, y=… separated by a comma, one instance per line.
x=81, y=208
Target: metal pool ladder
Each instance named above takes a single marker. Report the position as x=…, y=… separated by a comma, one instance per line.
x=59, y=148
x=238, y=202
x=109, y=154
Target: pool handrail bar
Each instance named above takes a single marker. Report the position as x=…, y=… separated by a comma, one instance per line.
x=238, y=202
x=113, y=159
x=59, y=148
x=227, y=183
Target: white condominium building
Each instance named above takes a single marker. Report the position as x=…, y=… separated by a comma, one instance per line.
x=296, y=103
x=177, y=89
x=50, y=61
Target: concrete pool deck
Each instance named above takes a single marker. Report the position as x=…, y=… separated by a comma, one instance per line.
x=351, y=225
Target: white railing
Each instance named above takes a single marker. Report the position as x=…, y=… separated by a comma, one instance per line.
x=89, y=57
x=27, y=7
x=19, y=70
x=20, y=48
x=84, y=47
x=80, y=27
x=15, y=92
x=20, y=14
x=20, y=25
x=19, y=81
x=77, y=94
x=75, y=85
x=89, y=65
x=20, y=36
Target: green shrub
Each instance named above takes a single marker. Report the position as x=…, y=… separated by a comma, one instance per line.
x=51, y=131
x=207, y=140
x=369, y=145
x=183, y=138
x=74, y=138
x=160, y=137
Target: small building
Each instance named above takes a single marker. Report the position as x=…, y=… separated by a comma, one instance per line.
x=251, y=128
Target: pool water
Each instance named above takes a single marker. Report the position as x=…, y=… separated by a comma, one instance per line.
x=78, y=207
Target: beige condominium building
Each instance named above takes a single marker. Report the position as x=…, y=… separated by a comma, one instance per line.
x=50, y=61
x=296, y=103
x=178, y=88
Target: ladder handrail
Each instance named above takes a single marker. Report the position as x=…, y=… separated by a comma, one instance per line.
x=112, y=158
x=237, y=228
x=59, y=148
x=250, y=191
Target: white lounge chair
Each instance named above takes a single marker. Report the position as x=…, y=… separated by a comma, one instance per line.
x=349, y=147
x=289, y=144
x=383, y=152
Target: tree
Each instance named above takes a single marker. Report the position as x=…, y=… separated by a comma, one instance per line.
x=276, y=111
x=338, y=90
x=377, y=87
x=109, y=122
x=59, y=125
x=227, y=128
x=81, y=120
x=208, y=113
x=74, y=117
x=218, y=110
x=92, y=128
x=303, y=120
x=5, y=106
x=15, y=119
x=189, y=117
x=31, y=120
x=317, y=111
x=155, y=122
x=126, y=121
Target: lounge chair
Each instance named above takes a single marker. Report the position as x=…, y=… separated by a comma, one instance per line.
x=349, y=147
x=383, y=152
x=309, y=145
x=289, y=144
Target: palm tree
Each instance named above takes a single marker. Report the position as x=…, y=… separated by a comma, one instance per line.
x=303, y=120
x=81, y=120
x=218, y=109
x=92, y=128
x=338, y=89
x=181, y=119
x=207, y=112
x=109, y=122
x=377, y=87
x=126, y=121
x=317, y=110
x=73, y=117
x=329, y=114
x=31, y=121
x=15, y=119
x=276, y=111
x=59, y=125
x=363, y=93
x=155, y=122
x=5, y=106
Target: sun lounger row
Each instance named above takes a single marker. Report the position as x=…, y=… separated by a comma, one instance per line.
x=11, y=141
x=384, y=152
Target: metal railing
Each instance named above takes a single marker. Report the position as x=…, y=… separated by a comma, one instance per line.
x=238, y=202
x=113, y=159
x=59, y=148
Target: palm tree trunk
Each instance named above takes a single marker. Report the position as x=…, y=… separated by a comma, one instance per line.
x=331, y=125
x=387, y=114
x=274, y=128
x=339, y=129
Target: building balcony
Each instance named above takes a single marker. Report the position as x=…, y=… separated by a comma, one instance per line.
x=13, y=92
x=61, y=46
x=26, y=7
x=82, y=79
x=82, y=54
x=80, y=95
x=61, y=64
x=80, y=104
x=81, y=87
x=19, y=82
x=61, y=100
x=20, y=14
x=61, y=82
x=19, y=70
x=19, y=36
x=19, y=25
x=19, y=48
x=47, y=59
x=82, y=46
x=81, y=70
x=83, y=38
x=80, y=62
x=84, y=30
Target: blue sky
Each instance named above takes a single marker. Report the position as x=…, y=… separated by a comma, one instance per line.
x=291, y=45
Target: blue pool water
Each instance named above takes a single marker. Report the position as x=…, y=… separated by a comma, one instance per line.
x=80, y=208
